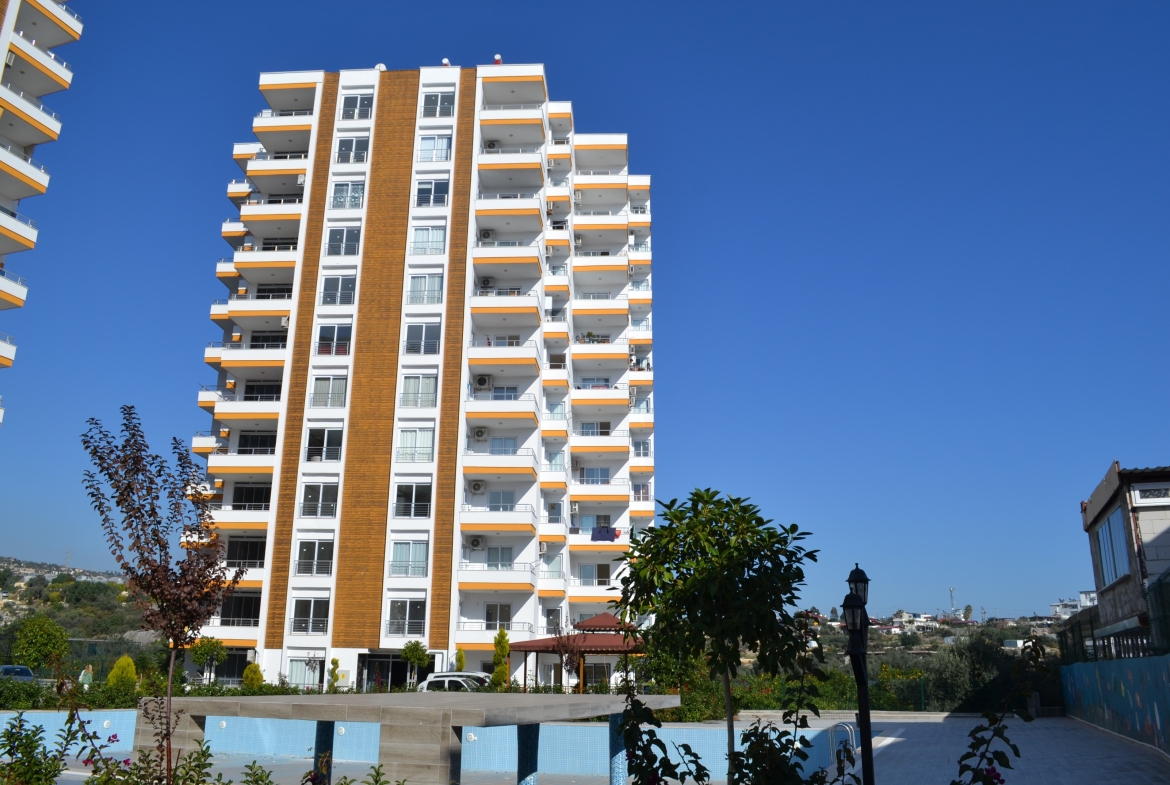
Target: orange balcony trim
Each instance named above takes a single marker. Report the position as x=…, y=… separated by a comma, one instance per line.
x=251, y=363
x=260, y=265
x=523, y=528
x=524, y=470
x=597, y=546
x=35, y=64
x=551, y=593
x=289, y=86
x=280, y=129
x=600, y=146
x=476, y=646
x=501, y=416
x=552, y=538
x=250, y=585
x=532, y=165
x=241, y=526
x=487, y=310
x=553, y=486
x=274, y=172
x=11, y=298
x=479, y=361
x=601, y=498
x=247, y=415
x=601, y=448
x=218, y=470
x=265, y=217
x=531, y=212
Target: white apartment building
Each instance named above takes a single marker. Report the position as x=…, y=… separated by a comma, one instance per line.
x=433, y=409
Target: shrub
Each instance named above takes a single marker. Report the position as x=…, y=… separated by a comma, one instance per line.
x=460, y=660
x=123, y=675
x=39, y=641
x=253, y=678
x=500, y=659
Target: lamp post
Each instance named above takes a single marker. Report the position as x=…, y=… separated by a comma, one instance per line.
x=857, y=620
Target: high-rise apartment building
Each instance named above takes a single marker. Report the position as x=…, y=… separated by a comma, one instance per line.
x=433, y=412
x=30, y=31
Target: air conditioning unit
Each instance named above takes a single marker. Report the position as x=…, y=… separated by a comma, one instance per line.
x=479, y=434
x=576, y=463
x=477, y=487
x=487, y=283
x=578, y=240
x=574, y=508
x=548, y=253
x=491, y=145
x=578, y=196
x=475, y=543
x=300, y=179
x=483, y=382
x=486, y=234
x=284, y=321
x=543, y=548
x=10, y=59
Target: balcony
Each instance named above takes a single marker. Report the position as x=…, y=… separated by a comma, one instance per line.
x=596, y=352
x=483, y=632
x=506, y=308
x=500, y=171
x=326, y=400
x=13, y=290
x=20, y=175
x=7, y=350
x=277, y=128
x=35, y=69
x=318, y=568
x=264, y=218
x=516, y=211
x=233, y=621
x=616, y=489
x=516, y=463
x=245, y=355
x=408, y=569
x=272, y=253
x=252, y=311
x=55, y=23
x=491, y=258
x=17, y=232
x=489, y=408
x=30, y=122
x=599, y=397
x=318, y=510
x=322, y=454
x=239, y=517
x=507, y=358
x=498, y=519
x=509, y=576
x=415, y=454
x=403, y=628
x=418, y=510
x=614, y=444
x=298, y=625
x=244, y=464
x=502, y=125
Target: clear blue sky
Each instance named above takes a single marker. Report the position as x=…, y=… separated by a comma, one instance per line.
x=910, y=259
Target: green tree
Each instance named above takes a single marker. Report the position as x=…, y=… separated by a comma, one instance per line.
x=123, y=675
x=833, y=613
x=7, y=579
x=967, y=611
x=501, y=672
x=415, y=655
x=460, y=660
x=35, y=588
x=253, y=677
x=208, y=653
x=39, y=642
x=717, y=578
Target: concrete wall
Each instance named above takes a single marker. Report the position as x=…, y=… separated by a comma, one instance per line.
x=1130, y=697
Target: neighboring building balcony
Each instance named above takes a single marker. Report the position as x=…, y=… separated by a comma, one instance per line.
x=498, y=519
x=7, y=350
x=36, y=69
x=30, y=122
x=604, y=539
x=520, y=170
x=241, y=517
x=489, y=255
x=641, y=462
x=600, y=352
x=20, y=175
x=232, y=405
x=642, y=509
x=274, y=253
x=265, y=219
x=555, y=377
x=245, y=355
x=616, y=177
x=224, y=461
x=240, y=189
x=510, y=577
x=17, y=232
x=481, y=632
x=13, y=290
x=553, y=476
x=283, y=121
x=613, y=489
x=594, y=589
x=234, y=623
x=254, y=571
x=615, y=263
x=488, y=355
x=640, y=297
x=246, y=306
x=515, y=463
x=553, y=528
x=491, y=408
x=615, y=444
x=641, y=375
x=613, y=396
x=601, y=304
x=204, y=443
x=641, y=417
x=505, y=308
x=510, y=211
x=551, y=583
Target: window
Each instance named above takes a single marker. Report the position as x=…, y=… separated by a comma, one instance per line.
x=438, y=105
x=641, y=448
x=425, y=289
x=640, y=325
x=416, y=445
x=262, y=391
x=407, y=617
x=504, y=340
x=408, y=559
x=594, y=383
x=556, y=512
x=315, y=557
x=550, y=672
x=505, y=393
x=328, y=391
x=348, y=196
x=596, y=673
x=499, y=558
x=640, y=491
x=595, y=429
x=357, y=107
x=556, y=461
x=344, y=241
x=501, y=501
x=246, y=552
x=334, y=339
x=594, y=574
x=319, y=500
x=240, y=610
x=588, y=523
x=251, y=496
x=641, y=406
x=422, y=338
x=434, y=148
x=429, y=240
x=503, y=445
x=306, y=673
x=256, y=443
x=339, y=290
x=277, y=244
x=310, y=616
x=550, y=567
x=353, y=151
x=593, y=475
x=419, y=391
x=268, y=339
x=431, y=193
x=1112, y=550
x=324, y=444
x=497, y=616
x=556, y=411
x=273, y=291
x=413, y=500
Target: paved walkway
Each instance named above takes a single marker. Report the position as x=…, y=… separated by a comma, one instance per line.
x=1053, y=752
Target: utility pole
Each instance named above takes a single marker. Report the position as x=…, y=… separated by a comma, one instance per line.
x=982, y=615
x=68, y=558
x=952, y=602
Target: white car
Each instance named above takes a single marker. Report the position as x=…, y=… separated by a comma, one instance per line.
x=439, y=682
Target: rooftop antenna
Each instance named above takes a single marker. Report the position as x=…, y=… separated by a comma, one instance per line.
x=952, y=601
x=982, y=614
x=68, y=558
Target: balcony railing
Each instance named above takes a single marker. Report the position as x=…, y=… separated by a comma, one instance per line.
x=239, y=507
x=33, y=42
x=600, y=481
x=40, y=167
x=598, y=386
x=399, y=628
x=356, y=112
x=16, y=279
x=247, y=345
x=303, y=626
x=420, y=347
x=341, y=249
x=336, y=348
x=601, y=171
x=299, y=155
x=508, y=150
x=513, y=195
x=596, y=254
x=285, y=113
x=600, y=432
x=559, y=182
x=552, y=467
x=558, y=269
x=640, y=247
x=352, y=157
x=408, y=510
x=418, y=400
x=598, y=339
x=233, y=396
x=426, y=249
x=438, y=111
x=234, y=621
x=559, y=415
x=24, y=219
x=550, y=629
x=69, y=11
x=32, y=101
x=611, y=211
x=337, y=298
x=319, y=510
x=528, y=508
x=551, y=575
x=556, y=318
x=505, y=243
x=552, y=519
x=514, y=291
x=506, y=107
x=322, y=454
x=594, y=581
x=275, y=199
x=416, y=454
x=274, y=245
x=408, y=569
x=424, y=298
x=492, y=626
x=430, y=200
x=639, y=210
x=244, y=564
x=521, y=451
x=509, y=344
x=261, y=296
x=311, y=567
x=327, y=400
x=598, y=296
x=499, y=395
x=560, y=141
x=244, y=451
x=427, y=156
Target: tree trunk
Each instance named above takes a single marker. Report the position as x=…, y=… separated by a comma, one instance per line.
x=169, y=726
x=730, y=723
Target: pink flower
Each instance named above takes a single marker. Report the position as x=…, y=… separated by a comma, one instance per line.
x=87, y=762
x=994, y=775
x=126, y=762
x=113, y=739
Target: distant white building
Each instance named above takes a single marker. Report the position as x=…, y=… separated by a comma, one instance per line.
x=1065, y=608
x=917, y=622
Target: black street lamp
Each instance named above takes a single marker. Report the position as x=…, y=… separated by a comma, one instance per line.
x=857, y=620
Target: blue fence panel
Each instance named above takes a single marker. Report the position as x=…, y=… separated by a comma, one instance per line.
x=353, y=741
x=112, y=722
x=1130, y=697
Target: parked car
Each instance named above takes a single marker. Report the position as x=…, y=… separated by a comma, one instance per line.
x=16, y=673
x=476, y=679
x=448, y=685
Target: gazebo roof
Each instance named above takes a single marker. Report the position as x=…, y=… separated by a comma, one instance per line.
x=603, y=622
x=588, y=642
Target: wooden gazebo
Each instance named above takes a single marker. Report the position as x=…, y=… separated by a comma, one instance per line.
x=601, y=634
